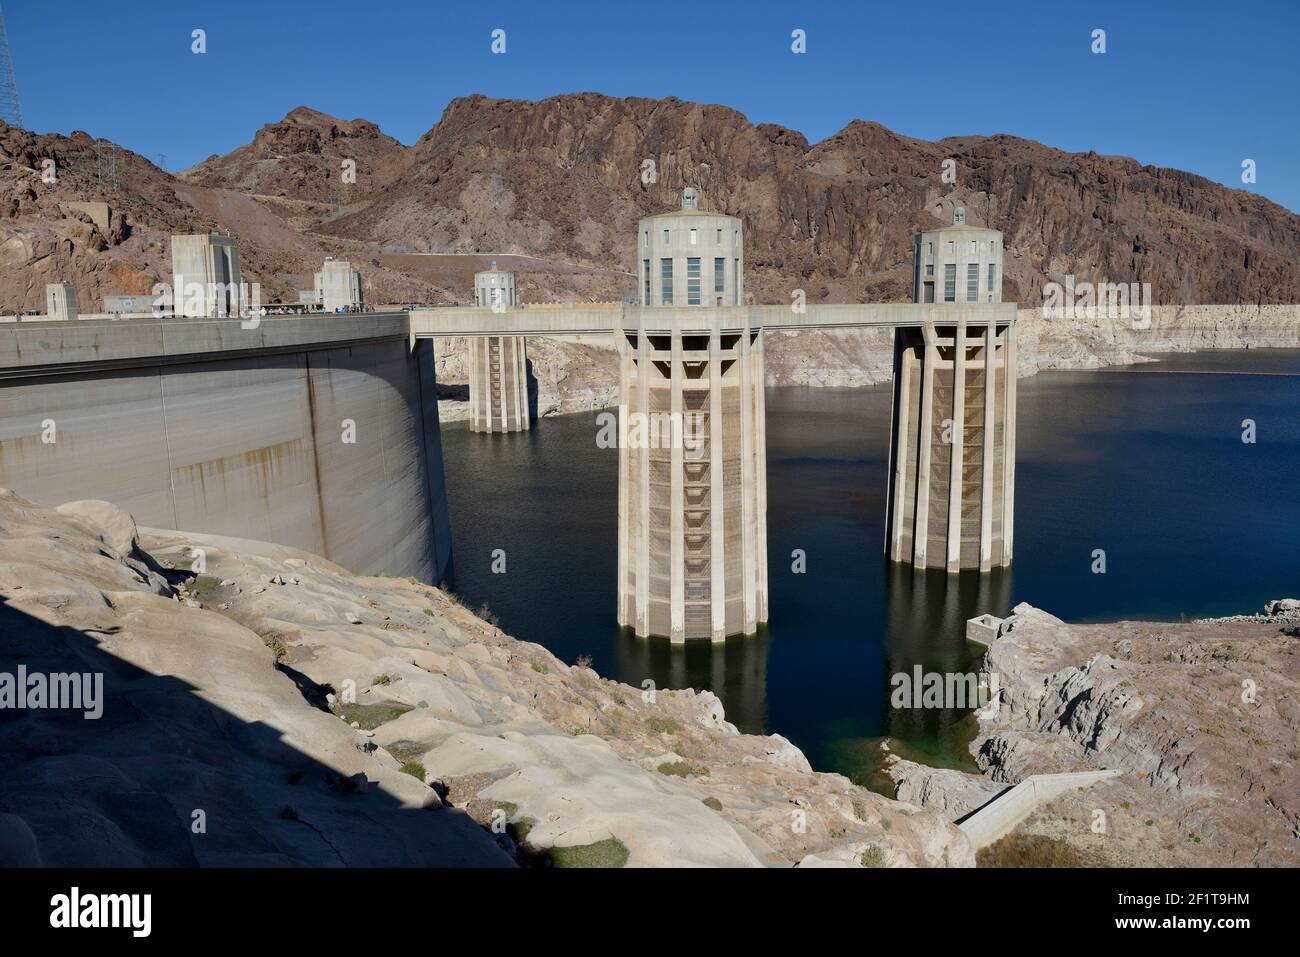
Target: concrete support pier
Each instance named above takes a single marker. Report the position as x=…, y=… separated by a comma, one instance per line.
x=498, y=384
x=498, y=371
x=692, y=516
x=952, y=450
x=692, y=528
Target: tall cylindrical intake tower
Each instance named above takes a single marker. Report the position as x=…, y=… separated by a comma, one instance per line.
x=952, y=451
x=498, y=372
x=692, y=528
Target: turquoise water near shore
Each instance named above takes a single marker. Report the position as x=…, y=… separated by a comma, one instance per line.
x=1146, y=462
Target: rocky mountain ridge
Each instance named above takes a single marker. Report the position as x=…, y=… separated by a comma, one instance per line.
x=561, y=179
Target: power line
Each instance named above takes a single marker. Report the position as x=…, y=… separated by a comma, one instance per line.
x=10, y=110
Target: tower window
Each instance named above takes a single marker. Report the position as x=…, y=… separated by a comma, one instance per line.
x=719, y=274
x=929, y=269
x=695, y=237
x=949, y=282
x=645, y=268
x=666, y=282
x=950, y=247
x=718, y=239
x=693, y=280
x=993, y=272
x=972, y=282
x=667, y=236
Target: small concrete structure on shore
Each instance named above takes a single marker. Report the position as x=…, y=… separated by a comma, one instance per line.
x=986, y=629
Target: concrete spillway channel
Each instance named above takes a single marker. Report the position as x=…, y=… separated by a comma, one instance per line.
x=1000, y=816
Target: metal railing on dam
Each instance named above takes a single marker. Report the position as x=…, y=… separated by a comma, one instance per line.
x=320, y=433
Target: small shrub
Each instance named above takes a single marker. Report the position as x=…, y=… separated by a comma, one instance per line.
x=610, y=852
x=370, y=716
x=662, y=724
x=872, y=857
x=1033, y=850
x=683, y=769
x=714, y=803
x=405, y=750
x=276, y=643
x=541, y=669
x=415, y=769
x=382, y=680
x=428, y=612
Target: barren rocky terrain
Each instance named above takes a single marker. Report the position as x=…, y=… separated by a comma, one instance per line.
x=560, y=180
x=272, y=709
x=1202, y=717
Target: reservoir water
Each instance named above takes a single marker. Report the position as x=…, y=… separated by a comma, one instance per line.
x=1146, y=463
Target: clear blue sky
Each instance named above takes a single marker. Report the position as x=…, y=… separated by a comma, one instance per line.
x=1193, y=84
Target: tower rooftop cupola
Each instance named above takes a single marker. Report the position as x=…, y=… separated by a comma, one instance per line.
x=689, y=257
x=959, y=216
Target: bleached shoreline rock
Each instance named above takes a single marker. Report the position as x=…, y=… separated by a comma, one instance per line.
x=421, y=736
x=1203, y=717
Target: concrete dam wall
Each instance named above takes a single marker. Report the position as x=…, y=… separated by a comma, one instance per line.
x=319, y=433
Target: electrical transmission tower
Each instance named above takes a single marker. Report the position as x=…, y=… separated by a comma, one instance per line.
x=106, y=165
x=10, y=111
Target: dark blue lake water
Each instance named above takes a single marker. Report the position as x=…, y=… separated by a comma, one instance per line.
x=1145, y=462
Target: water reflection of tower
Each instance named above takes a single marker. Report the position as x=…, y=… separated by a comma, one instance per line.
x=925, y=624
x=735, y=670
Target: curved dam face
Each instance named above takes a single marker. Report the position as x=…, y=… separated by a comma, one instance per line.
x=319, y=433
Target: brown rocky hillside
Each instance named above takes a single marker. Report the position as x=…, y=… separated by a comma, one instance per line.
x=560, y=180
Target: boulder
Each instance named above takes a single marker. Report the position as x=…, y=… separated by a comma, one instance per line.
x=114, y=525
